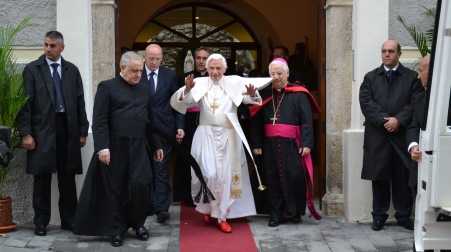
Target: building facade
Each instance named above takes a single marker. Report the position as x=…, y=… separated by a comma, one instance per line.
x=343, y=39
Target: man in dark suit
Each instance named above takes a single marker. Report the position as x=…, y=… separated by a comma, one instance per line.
x=163, y=83
x=386, y=96
x=182, y=172
x=418, y=119
x=54, y=127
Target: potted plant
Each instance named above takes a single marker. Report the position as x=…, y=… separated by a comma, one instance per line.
x=12, y=98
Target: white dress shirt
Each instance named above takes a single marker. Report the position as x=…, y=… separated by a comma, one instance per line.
x=50, y=62
x=393, y=69
x=155, y=76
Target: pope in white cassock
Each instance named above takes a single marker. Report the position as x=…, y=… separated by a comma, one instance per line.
x=218, y=141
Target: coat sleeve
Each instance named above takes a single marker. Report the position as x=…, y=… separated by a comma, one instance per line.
x=372, y=111
x=23, y=120
x=101, y=114
x=418, y=113
x=306, y=121
x=405, y=114
x=156, y=141
x=413, y=132
x=83, y=123
x=179, y=117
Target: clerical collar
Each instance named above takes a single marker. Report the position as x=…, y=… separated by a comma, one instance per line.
x=216, y=82
x=122, y=77
x=124, y=80
x=280, y=89
x=393, y=69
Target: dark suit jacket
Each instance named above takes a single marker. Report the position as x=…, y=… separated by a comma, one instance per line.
x=164, y=119
x=413, y=132
x=379, y=99
x=37, y=117
x=418, y=118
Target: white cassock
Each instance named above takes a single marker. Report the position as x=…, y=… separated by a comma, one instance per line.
x=218, y=143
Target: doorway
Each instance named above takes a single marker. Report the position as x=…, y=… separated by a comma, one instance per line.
x=243, y=31
x=186, y=27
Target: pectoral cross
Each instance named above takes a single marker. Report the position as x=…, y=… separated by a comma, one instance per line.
x=214, y=105
x=274, y=119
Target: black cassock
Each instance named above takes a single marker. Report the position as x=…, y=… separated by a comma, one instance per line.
x=285, y=174
x=117, y=196
x=182, y=171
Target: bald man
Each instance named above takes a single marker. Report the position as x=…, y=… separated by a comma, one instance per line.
x=386, y=96
x=418, y=110
x=418, y=120
x=162, y=83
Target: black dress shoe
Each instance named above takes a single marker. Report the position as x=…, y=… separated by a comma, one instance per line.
x=66, y=226
x=142, y=233
x=162, y=217
x=116, y=240
x=296, y=219
x=407, y=224
x=40, y=230
x=377, y=225
x=273, y=222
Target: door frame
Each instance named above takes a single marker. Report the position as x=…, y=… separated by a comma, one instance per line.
x=320, y=177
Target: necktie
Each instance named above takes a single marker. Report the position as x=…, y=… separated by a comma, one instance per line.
x=389, y=75
x=57, y=86
x=152, y=83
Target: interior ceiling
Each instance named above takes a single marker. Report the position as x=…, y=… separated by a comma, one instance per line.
x=203, y=15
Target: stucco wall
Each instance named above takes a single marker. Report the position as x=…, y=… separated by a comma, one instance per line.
x=41, y=12
x=43, y=19
x=412, y=12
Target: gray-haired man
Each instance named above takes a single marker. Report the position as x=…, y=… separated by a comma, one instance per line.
x=116, y=191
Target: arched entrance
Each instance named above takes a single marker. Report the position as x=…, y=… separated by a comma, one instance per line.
x=188, y=26
x=179, y=25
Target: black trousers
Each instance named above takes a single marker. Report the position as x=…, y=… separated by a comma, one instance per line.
x=161, y=188
x=42, y=184
x=398, y=188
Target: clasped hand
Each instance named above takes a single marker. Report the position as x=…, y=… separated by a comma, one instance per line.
x=391, y=124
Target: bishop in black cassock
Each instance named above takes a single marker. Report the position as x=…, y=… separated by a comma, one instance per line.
x=282, y=132
x=116, y=191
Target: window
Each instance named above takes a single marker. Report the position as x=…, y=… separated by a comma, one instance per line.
x=187, y=27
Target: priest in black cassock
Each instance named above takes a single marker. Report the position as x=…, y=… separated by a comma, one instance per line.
x=283, y=134
x=116, y=191
x=182, y=173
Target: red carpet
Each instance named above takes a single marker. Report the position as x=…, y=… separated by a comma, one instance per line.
x=196, y=236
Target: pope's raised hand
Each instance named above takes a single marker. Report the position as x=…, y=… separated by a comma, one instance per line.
x=251, y=90
x=189, y=82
